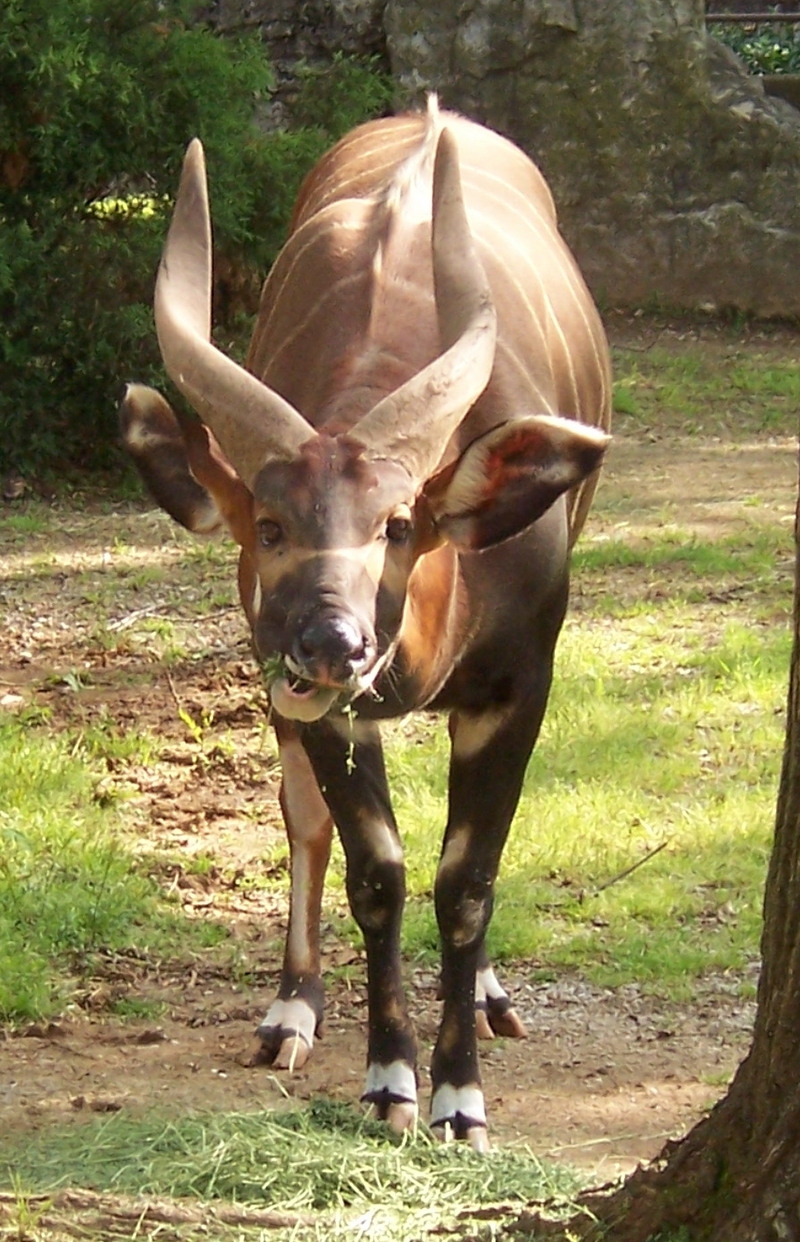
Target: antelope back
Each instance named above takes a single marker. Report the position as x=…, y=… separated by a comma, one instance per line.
x=348, y=312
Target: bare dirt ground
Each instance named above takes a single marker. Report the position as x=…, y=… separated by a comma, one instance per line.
x=92, y=602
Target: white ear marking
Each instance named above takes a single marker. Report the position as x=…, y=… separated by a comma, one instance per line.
x=567, y=439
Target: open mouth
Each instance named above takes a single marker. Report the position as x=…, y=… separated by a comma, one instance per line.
x=293, y=696
x=297, y=699
x=298, y=685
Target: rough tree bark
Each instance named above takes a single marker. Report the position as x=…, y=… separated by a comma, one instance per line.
x=736, y=1176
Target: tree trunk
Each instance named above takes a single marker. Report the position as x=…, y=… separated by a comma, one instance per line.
x=736, y=1176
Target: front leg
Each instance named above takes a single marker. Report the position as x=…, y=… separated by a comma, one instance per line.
x=287, y=1031
x=347, y=758
x=490, y=753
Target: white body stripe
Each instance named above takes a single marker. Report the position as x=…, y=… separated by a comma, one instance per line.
x=295, y=251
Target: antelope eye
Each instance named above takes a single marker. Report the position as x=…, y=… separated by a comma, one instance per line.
x=269, y=533
x=398, y=529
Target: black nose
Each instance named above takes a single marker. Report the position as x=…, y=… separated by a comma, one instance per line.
x=332, y=645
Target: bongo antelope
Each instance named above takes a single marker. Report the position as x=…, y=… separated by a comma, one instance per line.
x=405, y=460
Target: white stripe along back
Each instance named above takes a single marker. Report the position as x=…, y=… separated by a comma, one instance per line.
x=356, y=247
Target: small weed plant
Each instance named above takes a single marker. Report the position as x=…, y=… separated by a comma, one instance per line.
x=765, y=47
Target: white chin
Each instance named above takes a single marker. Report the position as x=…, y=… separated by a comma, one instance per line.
x=306, y=705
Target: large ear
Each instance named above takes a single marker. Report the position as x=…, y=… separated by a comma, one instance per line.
x=182, y=466
x=510, y=476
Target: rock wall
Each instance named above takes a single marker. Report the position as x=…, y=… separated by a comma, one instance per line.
x=677, y=179
x=310, y=31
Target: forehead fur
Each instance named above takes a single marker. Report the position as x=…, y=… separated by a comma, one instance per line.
x=332, y=478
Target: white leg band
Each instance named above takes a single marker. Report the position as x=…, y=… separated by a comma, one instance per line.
x=291, y=1016
x=396, y=1080
x=448, y=1102
x=488, y=985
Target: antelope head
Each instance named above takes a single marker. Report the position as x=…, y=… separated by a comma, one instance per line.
x=332, y=524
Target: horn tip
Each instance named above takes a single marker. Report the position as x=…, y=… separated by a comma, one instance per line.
x=195, y=156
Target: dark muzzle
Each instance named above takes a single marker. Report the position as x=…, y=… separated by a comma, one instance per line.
x=331, y=649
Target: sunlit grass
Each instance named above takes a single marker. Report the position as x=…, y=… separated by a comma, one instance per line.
x=708, y=387
x=745, y=555
x=68, y=884
x=665, y=729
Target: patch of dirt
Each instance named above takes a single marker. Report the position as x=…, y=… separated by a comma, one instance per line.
x=602, y=1081
x=110, y=625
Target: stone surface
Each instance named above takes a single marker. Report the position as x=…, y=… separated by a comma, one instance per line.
x=676, y=176
x=305, y=30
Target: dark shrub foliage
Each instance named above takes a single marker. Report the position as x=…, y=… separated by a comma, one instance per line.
x=768, y=48
x=98, y=99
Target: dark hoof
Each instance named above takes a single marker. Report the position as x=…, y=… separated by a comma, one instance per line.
x=399, y=1115
x=281, y=1049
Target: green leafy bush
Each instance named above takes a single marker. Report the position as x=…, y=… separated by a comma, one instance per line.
x=765, y=49
x=98, y=99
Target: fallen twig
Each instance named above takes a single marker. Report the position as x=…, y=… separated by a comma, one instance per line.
x=623, y=875
x=152, y=610
x=131, y=618
x=111, y=1212
x=173, y=691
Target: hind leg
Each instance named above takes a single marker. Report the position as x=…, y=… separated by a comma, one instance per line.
x=494, y=1012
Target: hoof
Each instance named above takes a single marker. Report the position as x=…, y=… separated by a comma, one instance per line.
x=506, y=1022
x=262, y=1055
x=399, y=1115
x=292, y=1053
x=476, y=1136
x=287, y=1033
x=402, y=1116
x=483, y=1027
x=478, y=1139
